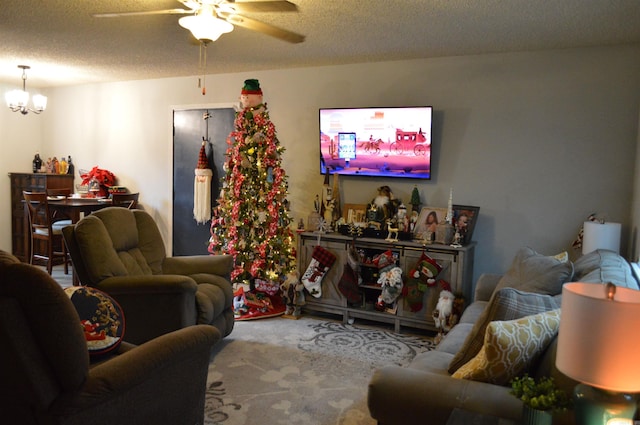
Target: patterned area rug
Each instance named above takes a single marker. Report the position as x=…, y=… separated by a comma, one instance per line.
x=308, y=371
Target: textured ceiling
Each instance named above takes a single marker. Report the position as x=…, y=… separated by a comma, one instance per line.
x=64, y=44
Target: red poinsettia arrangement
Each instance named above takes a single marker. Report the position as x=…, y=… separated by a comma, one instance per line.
x=105, y=178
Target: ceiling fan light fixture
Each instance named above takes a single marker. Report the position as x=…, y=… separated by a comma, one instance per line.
x=205, y=27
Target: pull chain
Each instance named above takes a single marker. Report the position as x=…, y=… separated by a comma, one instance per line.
x=202, y=82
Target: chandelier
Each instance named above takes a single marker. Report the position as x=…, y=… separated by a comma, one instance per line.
x=17, y=99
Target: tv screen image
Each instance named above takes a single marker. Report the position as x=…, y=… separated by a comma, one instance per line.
x=385, y=142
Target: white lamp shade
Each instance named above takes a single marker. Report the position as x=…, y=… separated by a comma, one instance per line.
x=598, y=342
x=205, y=27
x=601, y=236
x=39, y=102
x=17, y=98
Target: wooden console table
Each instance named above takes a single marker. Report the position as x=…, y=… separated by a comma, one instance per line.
x=457, y=269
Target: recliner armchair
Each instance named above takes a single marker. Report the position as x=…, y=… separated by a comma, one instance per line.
x=121, y=252
x=45, y=371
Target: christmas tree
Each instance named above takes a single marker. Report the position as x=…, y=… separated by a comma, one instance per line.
x=251, y=220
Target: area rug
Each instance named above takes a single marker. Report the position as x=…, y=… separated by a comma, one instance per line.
x=311, y=371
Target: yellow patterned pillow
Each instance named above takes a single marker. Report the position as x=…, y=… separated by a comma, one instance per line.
x=510, y=347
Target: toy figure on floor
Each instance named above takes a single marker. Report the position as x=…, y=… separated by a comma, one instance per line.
x=251, y=221
x=447, y=312
x=293, y=295
x=253, y=305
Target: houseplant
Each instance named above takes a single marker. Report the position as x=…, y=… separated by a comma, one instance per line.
x=541, y=399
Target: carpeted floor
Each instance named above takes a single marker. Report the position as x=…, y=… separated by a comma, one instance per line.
x=312, y=371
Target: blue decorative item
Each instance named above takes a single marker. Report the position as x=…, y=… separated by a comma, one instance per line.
x=270, y=175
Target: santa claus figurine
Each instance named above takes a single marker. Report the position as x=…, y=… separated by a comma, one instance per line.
x=447, y=312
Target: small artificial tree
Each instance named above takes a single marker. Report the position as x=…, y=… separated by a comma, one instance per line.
x=415, y=199
x=251, y=220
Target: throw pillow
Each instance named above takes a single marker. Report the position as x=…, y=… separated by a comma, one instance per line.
x=510, y=347
x=505, y=304
x=101, y=319
x=604, y=266
x=533, y=272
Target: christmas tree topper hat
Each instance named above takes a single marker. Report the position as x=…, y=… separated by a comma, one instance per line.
x=251, y=86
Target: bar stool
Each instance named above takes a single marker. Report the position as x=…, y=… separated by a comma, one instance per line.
x=44, y=227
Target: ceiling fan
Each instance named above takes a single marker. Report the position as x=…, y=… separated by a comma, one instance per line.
x=209, y=19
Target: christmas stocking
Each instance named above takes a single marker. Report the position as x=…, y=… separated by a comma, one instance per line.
x=321, y=262
x=348, y=285
x=412, y=291
x=350, y=279
x=420, y=278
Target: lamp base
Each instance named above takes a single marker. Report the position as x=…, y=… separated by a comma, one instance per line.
x=594, y=406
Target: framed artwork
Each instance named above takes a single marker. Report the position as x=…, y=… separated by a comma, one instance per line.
x=428, y=220
x=464, y=220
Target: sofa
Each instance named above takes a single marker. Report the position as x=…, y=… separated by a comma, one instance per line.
x=442, y=381
x=50, y=374
x=121, y=252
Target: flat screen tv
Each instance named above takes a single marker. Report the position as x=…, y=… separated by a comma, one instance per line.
x=383, y=142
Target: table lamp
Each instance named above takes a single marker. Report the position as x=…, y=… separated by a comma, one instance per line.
x=601, y=235
x=599, y=346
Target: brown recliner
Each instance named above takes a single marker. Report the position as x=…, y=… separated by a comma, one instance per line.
x=46, y=376
x=121, y=252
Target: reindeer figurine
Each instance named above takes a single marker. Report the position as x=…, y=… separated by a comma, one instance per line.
x=393, y=232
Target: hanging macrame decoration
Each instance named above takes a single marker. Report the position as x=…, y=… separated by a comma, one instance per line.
x=202, y=188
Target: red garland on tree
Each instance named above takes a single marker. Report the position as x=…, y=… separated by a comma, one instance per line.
x=251, y=221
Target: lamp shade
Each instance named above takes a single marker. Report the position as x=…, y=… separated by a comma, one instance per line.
x=17, y=98
x=205, y=27
x=598, y=341
x=601, y=236
x=39, y=102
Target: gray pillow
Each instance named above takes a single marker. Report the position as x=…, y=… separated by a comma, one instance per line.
x=505, y=304
x=604, y=266
x=533, y=272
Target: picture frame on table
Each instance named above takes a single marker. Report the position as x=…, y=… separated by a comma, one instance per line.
x=428, y=219
x=464, y=221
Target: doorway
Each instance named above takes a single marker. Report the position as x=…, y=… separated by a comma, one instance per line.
x=190, y=128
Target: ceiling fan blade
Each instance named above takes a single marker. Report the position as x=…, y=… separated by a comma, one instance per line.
x=254, y=25
x=150, y=12
x=252, y=6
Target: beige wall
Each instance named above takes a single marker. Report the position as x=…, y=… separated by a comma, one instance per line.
x=538, y=140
